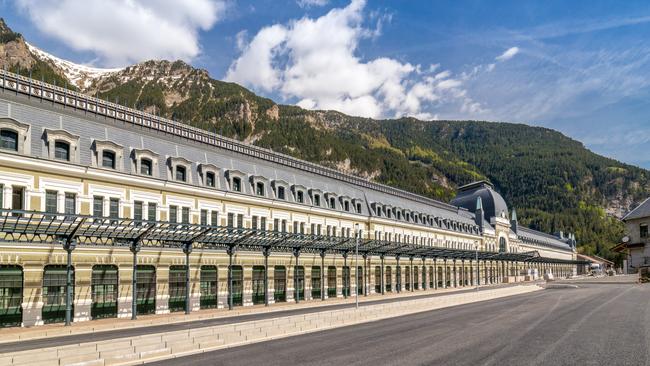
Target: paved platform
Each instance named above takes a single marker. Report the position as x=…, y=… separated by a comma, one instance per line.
x=151, y=346
x=592, y=324
x=16, y=339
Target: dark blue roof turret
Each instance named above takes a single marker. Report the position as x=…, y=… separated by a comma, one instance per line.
x=493, y=204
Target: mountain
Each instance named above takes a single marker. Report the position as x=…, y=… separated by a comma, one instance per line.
x=553, y=181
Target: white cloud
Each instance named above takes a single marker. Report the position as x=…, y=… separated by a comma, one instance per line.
x=314, y=62
x=121, y=32
x=508, y=54
x=310, y=3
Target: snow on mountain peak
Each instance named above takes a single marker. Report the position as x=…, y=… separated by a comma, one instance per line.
x=81, y=76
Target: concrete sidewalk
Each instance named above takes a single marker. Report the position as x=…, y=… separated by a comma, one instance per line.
x=113, y=327
x=153, y=346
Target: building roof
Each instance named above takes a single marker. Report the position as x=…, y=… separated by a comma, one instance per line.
x=640, y=211
x=493, y=203
x=540, y=238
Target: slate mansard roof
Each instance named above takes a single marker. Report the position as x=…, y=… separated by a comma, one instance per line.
x=493, y=204
x=54, y=108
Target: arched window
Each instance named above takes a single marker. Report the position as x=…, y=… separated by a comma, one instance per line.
x=62, y=150
x=9, y=140
x=146, y=166
x=181, y=173
x=108, y=159
x=210, y=180
x=502, y=244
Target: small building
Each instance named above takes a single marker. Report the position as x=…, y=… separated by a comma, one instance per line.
x=636, y=243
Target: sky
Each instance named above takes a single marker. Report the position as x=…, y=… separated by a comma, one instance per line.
x=580, y=67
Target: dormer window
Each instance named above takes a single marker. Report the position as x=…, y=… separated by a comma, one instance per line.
x=358, y=208
x=108, y=159
x=236, y=184
x=346, y=206
x=259, y=189
x=144, y=162
x=181, y=174
x=61, y=150
x=300, y=197
x=399, y=215
x=281, y=193
x=179, y=169
x=9, y=140
x=208, y=175
x=210, y=179
x=14, y=136
x=316, y=200
x=146, y=166
x=333, y=203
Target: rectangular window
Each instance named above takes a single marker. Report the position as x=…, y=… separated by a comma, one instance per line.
x=302, y=227
x=51, y=201
x=318, y=229
x=300, y=197
x=284, y=226
x=98, y=206
x=346, y=206
x=263, y=223
x=173, y=214
x=281, y=193
x=643, y=230
x=316, y=200
x=332, y=203
x=295, y=226
x=214, y=218
x=185, y=215
x=204, y=217
x=254, y=223
x=240, y=221
x=70, y=206
x=259, y=189
x=17, y=198
x=114, y=208
x=151, y=214
x=137, y=210
x=276, y=224
x=108, y=159
x=231, y=220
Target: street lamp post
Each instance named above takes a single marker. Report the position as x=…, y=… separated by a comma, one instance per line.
x=356, y=262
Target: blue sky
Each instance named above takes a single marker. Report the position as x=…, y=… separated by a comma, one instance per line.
x=576, y=66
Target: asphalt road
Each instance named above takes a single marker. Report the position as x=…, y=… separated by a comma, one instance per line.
x=595, y=324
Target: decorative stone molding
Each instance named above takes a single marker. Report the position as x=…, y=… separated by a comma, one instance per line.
x=204, y=169
x=254, y=179
x=275, y=184
x=231, y=174
x=173, y=162
x=99, y=146
x=138, y=154
x=52, y=136
x=22, y=129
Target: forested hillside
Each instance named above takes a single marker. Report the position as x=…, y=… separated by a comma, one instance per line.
x=554, y=182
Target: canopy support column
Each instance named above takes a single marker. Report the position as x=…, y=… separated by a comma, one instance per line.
x=365, y=274
x=424, y=273
x=231, y=252
x=187, y=249
x=346, y=275
x=322, y=275
x=135, y=248
x=296, y=253
x=411, y=275
x=69, y=246
x=398, y=272
x=266, y=252
x=382, y=280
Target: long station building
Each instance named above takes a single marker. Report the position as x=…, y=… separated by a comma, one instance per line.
x=99, y=199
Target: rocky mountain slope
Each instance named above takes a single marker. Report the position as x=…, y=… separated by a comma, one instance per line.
x=554, y=182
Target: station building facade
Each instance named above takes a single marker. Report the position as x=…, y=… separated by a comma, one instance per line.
x=107, y=211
